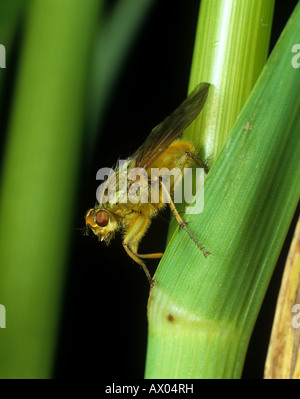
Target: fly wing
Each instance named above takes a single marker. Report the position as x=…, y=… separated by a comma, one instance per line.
x=171, y=127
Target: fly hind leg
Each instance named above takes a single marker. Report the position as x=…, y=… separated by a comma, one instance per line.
x=181, y=222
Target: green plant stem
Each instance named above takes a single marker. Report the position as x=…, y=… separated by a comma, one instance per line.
x=39, y=179
x=231, y=48
x=202, y=311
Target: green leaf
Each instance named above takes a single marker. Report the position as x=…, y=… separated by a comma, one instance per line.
x=202, y=311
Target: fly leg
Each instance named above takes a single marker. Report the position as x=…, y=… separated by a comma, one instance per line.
x=140, y=262
x=181, y=222
x=131, y=241
x=199, y=161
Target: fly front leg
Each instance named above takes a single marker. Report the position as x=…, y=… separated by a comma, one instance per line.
x=131, y=241
x=140, y=262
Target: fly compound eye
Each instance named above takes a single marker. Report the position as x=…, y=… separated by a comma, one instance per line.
x=102, y=218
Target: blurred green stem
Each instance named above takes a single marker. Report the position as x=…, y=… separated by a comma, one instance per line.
x=39, y=179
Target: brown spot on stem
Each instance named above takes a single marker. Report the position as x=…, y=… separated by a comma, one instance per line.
x=170, y=317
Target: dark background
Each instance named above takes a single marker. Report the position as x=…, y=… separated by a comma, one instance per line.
x=104, y=326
